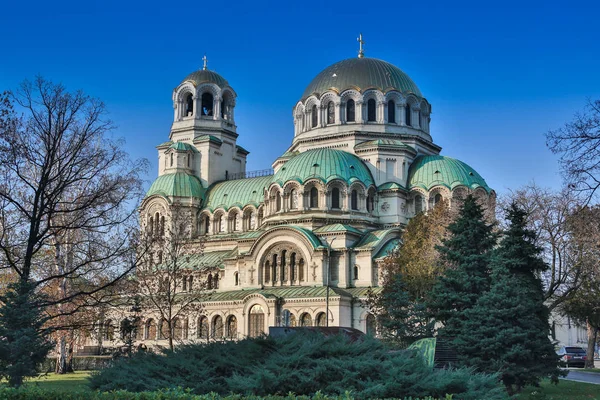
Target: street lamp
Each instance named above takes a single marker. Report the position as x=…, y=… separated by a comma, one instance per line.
x=327, y=280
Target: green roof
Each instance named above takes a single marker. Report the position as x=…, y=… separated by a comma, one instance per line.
x=208, y=259
x=337, y=228
x=362, y=74
x=372, y=239
x=326, y=165
x=384, y=143
x=168, y=143
x=206, y=76
x=242, y=150
x=178, y=184
x=313, y=239
x=429, y=171
x=390, y=186
x=387, y=249
x=180, y=146
x=238, y=192
x=208, y=138
x=292, y=292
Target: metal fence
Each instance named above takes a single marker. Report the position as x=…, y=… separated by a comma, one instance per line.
x=250, y=174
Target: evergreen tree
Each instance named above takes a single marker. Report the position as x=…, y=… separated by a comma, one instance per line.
x=22, y=345
x=507, y=330
x=466, y=255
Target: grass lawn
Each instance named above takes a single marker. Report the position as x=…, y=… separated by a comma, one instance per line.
x=62, y=383
x=565, y=390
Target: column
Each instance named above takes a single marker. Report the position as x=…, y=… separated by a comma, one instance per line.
x=416, y=122
x=216, y=107
x=379, y=116
x=359, y=114
x=342, y=113
x=337, y=113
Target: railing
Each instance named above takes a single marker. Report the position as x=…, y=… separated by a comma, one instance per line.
x=250, y=174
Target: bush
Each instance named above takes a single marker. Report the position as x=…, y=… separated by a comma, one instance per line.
x=303, y=363
x=84, y=363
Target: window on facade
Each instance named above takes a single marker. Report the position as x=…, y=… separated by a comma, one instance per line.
x=267, y=272
x=190, y=283
x=189, y=105
x=162, y=226
x=321, y=319
x=231, y=327
x=184, y=283
x=223, y=109
x=408, y=112
x=206, y=224
x=354, y=200
x=391, y=112
x=356, y=272
x=335, y=198
x=419, y=118
x=301, y=270
x=371, y=325
x=177, y=329
x=314, y=116
x=330, y=113
x=163, y=329
x=293, y=267
x=151, y=226
x=371, y=110
x=306, y=320
x=437, y=198
x=160, y=257
x=207, y=104
x=275, y=273
x=418, y=204
x=314, y=198
x=217, y=327
x=236, y=279
x=209, y=282
x=109, y=330
x=278, y=201
x=171, y=159
x=216, y=281
x=150, y=331
x=256, y=322
x=202, y=329
x=350, y=111
x=234, y=222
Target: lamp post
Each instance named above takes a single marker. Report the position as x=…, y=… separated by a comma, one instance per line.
x=327, y=280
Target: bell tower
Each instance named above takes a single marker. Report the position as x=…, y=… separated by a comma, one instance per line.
x=203, y=118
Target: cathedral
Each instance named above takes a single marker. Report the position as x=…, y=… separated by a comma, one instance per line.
x=299, y=244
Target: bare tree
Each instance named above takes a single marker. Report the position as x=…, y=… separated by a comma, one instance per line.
x=169, y=284
x=578, y=144
x=68, y=191
x=550, y=216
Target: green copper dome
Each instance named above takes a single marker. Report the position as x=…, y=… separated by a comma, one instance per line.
x=206, y=76
x=429, y=171
x=361, y=74
x=178, y=184
x=326, y=165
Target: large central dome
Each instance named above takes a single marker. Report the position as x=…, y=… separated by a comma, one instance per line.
x=361, y=74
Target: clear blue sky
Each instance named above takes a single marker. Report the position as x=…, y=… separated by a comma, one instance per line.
x=498, y=75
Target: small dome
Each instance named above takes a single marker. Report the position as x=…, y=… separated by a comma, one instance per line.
x=326, y=165
x=178, y=184
x=205, y=76
x=361, y=74
x=429, y=171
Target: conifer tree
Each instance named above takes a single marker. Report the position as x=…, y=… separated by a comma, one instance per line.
x=507, y=330
x=466, y=254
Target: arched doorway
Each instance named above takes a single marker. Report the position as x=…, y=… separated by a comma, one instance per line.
x=256, y=321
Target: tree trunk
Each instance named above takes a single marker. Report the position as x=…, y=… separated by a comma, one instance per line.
x=592, y=334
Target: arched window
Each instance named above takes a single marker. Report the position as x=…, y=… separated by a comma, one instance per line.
x=267, y=272
x=223, y=108
x=202, y=329
x=151, y=226
x=330, y=113
x=321, y=319
x=354, y=200
x=171, y=159
x=256, y=322
x=206, y=224
x=370, y=203
x=314, y=116
x=162, y=226
x=216, y=281
x=150, y=331
x=350, y=113
x=234, y=222
x=419, y=120
x=355, y=271
x=437, y=198
x=278, y=201
x=275, y=274
x=301, y=270
x=231, y=327
x=177, y=329
x=109, y=330
x=184, y=282
x=163, y=329
x=314, y=197
x=293, y=199
x=408, y=112
x=371, y=325
x=217, y=327
x=418, y=204
x=190, y=283
x=236, y=279
x=293, y=267
x=209, y=282
x=207, y=104
x=186, y=328
x=371, y=111
x=391, y=112
x=335, y=198
x=306, y=320
x=189, y=105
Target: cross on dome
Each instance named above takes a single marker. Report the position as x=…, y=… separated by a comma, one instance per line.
x=361, y=51
x=205, y=62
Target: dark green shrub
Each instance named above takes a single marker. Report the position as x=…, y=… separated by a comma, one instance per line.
x=303, y=363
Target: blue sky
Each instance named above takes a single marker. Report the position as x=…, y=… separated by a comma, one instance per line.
x=498, y=74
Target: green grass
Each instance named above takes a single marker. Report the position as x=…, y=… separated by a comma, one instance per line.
x=565, y=390
x=62, y=383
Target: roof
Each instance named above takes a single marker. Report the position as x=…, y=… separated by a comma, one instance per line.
x=205, y=76
x=390, y=186
x=387, y=248
x=207, y=259
x=326, y=165
x=237, y=192
x=178, y=184
x=384, y=143
x=291, y=292
x=429, y=171
x=208, y=138
x=361, y=74
x=372, y=239
x=183, y=147
x=337, y=228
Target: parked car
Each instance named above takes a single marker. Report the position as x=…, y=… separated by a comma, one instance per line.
x=572, y=356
